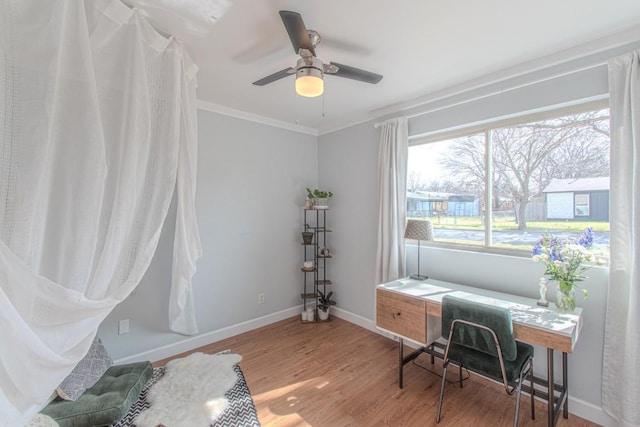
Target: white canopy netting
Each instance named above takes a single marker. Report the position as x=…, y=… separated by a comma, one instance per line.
x=98, y=116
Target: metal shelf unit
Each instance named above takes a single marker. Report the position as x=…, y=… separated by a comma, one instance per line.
x=315, y=279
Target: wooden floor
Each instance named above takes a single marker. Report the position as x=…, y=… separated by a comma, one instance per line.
x=337, y=374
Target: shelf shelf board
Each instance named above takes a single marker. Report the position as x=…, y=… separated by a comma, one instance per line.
x=325, y=256
x=308, y=296
x=316, y=321
x=308, y=270
x=323, y=282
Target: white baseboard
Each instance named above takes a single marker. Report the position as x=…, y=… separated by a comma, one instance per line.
x=350, y=317
x=591, y=412
x=577, y=407
x=191, y=343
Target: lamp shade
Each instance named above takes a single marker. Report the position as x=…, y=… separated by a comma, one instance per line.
x=419, y=230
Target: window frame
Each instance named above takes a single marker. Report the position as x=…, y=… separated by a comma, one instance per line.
x=586, y=205
x=487, y=127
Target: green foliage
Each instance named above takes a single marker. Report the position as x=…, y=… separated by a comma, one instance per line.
x=318, y=194
x=324, y=302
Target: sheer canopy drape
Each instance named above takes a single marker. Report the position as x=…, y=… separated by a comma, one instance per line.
x=393, y=154
x=620, y=385
x=98, y=130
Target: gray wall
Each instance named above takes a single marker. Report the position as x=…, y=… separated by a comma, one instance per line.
x=251, y=181
x=350, y=160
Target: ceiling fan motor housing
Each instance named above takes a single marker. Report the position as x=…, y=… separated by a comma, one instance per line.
x=309, y=67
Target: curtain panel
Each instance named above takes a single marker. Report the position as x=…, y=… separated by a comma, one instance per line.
x=620, y=386
x=393, y=154
x=99, y=130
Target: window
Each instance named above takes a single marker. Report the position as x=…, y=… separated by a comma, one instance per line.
x=582, y=205
x=503, y=186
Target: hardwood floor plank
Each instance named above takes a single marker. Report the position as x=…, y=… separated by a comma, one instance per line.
x=339, y=374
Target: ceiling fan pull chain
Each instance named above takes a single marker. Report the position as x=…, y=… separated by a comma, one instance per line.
x=322, y=104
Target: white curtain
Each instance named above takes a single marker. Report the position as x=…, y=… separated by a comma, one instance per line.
x=98, y=131
x=620, y=385
x=393, y=153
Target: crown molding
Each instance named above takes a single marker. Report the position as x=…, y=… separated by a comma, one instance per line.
x=231, y=112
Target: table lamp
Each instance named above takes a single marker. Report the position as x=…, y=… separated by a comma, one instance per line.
x=419, y=230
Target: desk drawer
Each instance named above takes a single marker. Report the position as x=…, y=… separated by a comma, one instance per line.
x=403, y=315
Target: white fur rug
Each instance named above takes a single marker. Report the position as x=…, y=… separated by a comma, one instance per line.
x=191, y=391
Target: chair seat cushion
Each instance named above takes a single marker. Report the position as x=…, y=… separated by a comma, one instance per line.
x=488, y=365
x=107, y=401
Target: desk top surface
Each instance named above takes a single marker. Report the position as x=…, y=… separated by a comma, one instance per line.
x=524, y=311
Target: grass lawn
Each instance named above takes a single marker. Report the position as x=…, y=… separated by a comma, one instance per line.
x=508, y=223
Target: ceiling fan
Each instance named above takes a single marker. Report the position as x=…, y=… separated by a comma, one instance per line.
x=309, y=69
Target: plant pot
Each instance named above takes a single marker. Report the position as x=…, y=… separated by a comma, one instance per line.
x=307, y=237
x=320, y=203
x=322, y=314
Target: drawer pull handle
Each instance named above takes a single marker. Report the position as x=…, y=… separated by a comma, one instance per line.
x=396, y=314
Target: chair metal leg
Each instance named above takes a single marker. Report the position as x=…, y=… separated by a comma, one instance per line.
x=533, y=392
x=517, y=412
x=444, y=380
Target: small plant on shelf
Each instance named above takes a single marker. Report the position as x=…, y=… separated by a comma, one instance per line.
x=318, y=199
x=318, y=194
x=325, y=301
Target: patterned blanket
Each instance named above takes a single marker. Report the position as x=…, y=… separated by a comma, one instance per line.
x=240, y=412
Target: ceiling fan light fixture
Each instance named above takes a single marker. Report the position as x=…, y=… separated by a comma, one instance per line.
x=309, y=86
x=310, y=79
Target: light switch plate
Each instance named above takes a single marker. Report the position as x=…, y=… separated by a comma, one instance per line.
x=123, y=327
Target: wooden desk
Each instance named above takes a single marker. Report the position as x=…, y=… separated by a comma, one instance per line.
x=404, y=306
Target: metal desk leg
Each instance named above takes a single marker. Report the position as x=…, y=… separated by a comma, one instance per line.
x=565, y=385
x=403, y=360
x=400, y=361
x=550, y=392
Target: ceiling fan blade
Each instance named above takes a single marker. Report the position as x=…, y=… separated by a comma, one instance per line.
x=356, y=74
x=275, y=76
x=297, y=31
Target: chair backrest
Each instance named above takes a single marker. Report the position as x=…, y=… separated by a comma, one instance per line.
x=497, y=319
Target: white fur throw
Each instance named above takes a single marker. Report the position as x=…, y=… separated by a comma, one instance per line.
x=191, y=391
x=42, y=420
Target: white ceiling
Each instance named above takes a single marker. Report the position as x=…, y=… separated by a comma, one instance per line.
x=420, y=46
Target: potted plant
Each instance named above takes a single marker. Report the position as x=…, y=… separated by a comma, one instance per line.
x=307, y=236
x=324, y=303
x=319, y=198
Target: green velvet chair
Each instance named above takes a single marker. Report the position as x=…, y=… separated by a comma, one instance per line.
x=480, y=339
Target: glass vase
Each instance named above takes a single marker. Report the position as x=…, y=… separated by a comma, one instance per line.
x=566, y=297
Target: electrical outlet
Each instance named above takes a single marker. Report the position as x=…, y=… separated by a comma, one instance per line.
x=123, y=327
x=260, y=298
